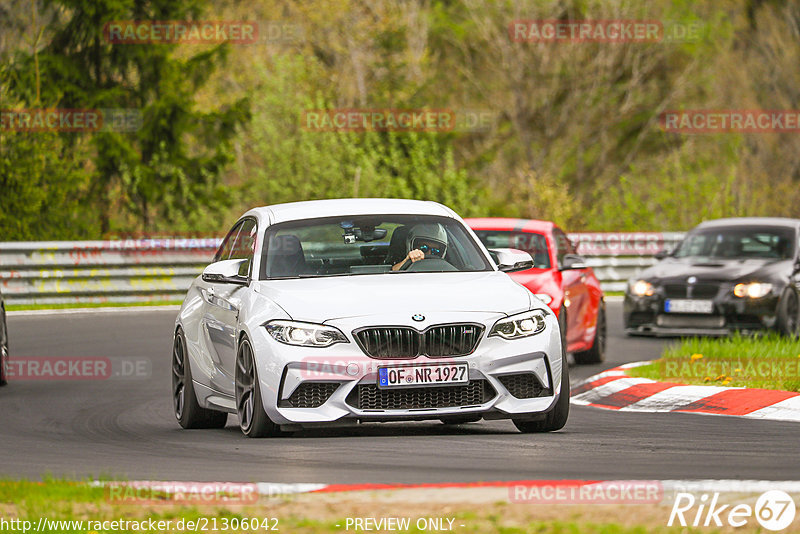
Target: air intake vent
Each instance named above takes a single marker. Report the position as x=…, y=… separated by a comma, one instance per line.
x=524, y=386
x=310, y=395
x=370, y=397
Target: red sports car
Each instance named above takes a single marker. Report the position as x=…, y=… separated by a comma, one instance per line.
x=559, y=277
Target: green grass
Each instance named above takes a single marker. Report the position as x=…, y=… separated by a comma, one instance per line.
x=63, y=500
x=769, y=362
x=82, y=305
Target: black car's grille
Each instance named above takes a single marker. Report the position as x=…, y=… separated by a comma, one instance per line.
x=404, y=342
x=524, y=385
x=371, y=397
x=691, y=291
x=310, y=395
x=641, y=317
x=681, y=320
x=389, y=342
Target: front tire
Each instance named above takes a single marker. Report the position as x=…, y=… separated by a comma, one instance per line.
x=253, y=420
x=597, y=352
x=789, y=314
x=187, y=410
x=557, y=417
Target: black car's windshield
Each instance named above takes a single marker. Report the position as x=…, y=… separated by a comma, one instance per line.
x=372, y=244
x=532, y=243
x=738, y=243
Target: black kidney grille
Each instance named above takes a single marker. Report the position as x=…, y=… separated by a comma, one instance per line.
x=310, y=395
x=404, y=342
x=371, y=397
x=693, y=291
x=524, y=386
x=389, y=342
x=451, y=340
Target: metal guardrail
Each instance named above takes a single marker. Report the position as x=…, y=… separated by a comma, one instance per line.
x=56, y=272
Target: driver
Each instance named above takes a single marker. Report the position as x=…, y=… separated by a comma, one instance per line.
x=428, y=240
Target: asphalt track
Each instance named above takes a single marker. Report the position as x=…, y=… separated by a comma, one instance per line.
x=125, y=428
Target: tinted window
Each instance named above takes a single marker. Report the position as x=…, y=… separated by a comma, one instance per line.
x=224, y=250
x=532, y=243
x=738, y=242
x=244, y=245
x=563, y=245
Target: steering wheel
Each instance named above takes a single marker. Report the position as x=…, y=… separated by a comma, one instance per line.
x=430, y=264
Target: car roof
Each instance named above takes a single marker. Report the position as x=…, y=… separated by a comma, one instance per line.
x=783, y=222
x=508, y=224
x=312, y=209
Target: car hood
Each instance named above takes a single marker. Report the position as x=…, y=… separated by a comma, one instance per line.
x=323, y=299
x=714, y=269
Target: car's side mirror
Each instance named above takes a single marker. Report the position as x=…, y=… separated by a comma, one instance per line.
x=573, y=261
x=661, y=254
x=510, y=260
x=226, y=272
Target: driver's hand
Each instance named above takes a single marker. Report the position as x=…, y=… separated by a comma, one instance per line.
x=415, y=255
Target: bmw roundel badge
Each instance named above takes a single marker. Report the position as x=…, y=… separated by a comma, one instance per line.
x=418, y=317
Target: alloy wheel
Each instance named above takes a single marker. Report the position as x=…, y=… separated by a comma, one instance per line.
x=245, y=386
x=178, y=377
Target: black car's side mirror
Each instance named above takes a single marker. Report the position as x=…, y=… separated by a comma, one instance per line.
x=661, y=254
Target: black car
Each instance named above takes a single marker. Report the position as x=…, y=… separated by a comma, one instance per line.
x=729, y=274
x=3, y=343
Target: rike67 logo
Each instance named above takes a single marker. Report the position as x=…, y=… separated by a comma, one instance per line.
x=774, y=510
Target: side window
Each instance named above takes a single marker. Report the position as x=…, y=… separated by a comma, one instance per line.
x=244, y=245
x=227, y=244
x=563, y=245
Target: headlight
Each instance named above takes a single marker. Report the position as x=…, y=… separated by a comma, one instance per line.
x=522, y=325
x=641, y=288
x=754, y=290
x=305, y=334
x=544, y=297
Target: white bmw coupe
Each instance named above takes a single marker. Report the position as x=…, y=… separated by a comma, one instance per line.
x=335, y=312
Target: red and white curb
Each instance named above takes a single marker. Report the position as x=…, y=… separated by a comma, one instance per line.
x=615, y=390
x=520, y=491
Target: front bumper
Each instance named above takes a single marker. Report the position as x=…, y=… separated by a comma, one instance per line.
x=647, y=316
x=337, y=385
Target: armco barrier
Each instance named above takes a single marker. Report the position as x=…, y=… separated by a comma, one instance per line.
x=56, y=272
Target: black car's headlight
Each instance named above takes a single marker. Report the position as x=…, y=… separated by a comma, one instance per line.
x=305, y=334
x=525, y=324
x=754, y=290
x=641, y=288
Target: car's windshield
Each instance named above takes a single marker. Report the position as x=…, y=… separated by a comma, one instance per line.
x=370, y=244
x=738, y=243
x=532, y=243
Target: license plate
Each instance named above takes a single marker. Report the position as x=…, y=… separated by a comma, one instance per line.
x=423, y=375
x=688, y=306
